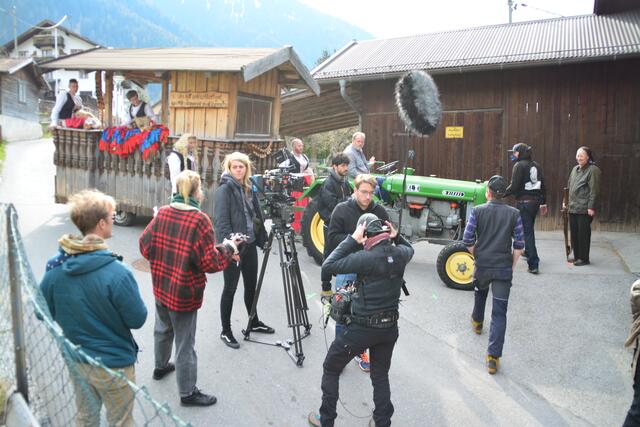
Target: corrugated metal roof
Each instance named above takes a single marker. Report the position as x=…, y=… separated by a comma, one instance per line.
x=577, y=38
x=161, y=59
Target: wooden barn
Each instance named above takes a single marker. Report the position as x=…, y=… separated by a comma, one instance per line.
x=229, y=98
x=554, y=84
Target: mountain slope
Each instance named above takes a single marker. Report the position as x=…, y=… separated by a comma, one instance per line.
x=222, y=23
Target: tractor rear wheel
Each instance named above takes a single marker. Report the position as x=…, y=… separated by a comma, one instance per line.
x=313, y=232
x=455, y=266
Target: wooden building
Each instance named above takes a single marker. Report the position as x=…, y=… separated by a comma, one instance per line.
x=21, y=86
x=229, y=98
x=555, y=84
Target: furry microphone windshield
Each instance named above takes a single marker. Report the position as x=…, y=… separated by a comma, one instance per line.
x=418, y=102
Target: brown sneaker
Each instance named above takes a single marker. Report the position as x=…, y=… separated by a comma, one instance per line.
x=476, y=326
x=492, y=364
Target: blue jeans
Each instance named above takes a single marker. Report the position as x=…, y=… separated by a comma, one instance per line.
x=528, y=212
x=341, y=281
x=500, y=290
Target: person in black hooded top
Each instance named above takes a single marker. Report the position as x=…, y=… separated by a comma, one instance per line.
x=236, y=210
x=527, y=186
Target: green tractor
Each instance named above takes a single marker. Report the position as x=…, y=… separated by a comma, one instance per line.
x=436, y=211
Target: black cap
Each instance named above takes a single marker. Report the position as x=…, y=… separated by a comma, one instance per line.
x=374, y=224
x=520, y=147
x=498, y=185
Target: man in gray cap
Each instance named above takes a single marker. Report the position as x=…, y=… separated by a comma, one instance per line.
x=490, y=231
x=372, y=321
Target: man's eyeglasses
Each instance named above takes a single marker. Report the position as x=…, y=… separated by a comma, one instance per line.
x=366, y=193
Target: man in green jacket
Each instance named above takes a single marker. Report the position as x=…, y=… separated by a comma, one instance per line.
x=584, y=188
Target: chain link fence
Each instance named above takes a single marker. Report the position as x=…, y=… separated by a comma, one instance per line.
x=63, y=385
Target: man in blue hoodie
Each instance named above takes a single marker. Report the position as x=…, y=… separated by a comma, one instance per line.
x=94, y=298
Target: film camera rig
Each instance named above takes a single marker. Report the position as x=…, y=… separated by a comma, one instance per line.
x=274, y=189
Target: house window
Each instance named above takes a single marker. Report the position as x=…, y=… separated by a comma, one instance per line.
x=22, y=91
x=23, y=53
x=82, y=74
x=47, y=53
x=254, y=115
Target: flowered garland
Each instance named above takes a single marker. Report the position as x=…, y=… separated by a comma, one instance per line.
x=123, y=140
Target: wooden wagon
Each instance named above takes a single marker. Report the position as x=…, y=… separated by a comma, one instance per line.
x=228, y=98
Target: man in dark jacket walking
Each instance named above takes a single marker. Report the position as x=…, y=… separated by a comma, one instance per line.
x=335, y=189
x=374, y=314
x=95, y=299
x=344, y=220
x=527, y=186
x=488, y=235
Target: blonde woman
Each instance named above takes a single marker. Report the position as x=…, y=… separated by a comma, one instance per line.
x=183, y=156
x=236, y=210
x=181, y=247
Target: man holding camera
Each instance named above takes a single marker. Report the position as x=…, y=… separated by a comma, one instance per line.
x=344, y=220
x=335, y=189
x=490, y=231
x=372, y=319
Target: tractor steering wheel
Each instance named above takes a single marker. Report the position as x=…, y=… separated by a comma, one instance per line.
x=387, y=167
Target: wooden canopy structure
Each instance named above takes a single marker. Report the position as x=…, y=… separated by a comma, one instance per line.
x=201, y=86
x=228, y=98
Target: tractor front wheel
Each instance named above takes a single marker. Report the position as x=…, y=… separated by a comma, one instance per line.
x=455, y=266
x=313, y=232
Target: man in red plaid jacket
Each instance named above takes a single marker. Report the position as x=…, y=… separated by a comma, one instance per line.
x=180, y=246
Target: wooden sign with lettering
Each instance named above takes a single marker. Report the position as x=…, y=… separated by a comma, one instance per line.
x=209, y=99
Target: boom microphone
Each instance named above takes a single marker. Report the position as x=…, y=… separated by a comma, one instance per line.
x=418, y=102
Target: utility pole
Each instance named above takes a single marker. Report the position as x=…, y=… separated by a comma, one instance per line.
x=510, y=3
x=15, y=33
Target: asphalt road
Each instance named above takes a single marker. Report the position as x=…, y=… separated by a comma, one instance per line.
x=564, y=363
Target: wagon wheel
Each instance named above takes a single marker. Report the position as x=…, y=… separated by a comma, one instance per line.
x=124, y=218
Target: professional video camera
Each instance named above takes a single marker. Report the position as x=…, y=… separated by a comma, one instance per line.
x=274, y=191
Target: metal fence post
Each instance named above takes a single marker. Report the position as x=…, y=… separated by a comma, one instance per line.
x=16, y=310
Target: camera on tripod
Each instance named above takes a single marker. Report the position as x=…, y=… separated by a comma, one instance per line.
x=274, y=191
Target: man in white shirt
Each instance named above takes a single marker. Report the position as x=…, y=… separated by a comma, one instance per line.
x=138, y=109
x=297, y=158
x=67, y=103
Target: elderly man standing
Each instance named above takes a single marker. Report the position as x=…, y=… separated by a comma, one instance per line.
x=95, y=299
x=358, y=163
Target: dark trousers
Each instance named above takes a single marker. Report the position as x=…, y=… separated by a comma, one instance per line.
x=249, y=269
x=500, y=290
x=528, y=212
x=354, y=341
x=633, y=416
x=324, y=276
x=580, y=225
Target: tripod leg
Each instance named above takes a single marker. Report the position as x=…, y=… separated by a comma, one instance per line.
x=299, y=288
x=263, y=268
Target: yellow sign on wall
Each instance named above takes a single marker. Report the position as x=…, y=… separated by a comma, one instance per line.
x=452, y=132
x=209, y=99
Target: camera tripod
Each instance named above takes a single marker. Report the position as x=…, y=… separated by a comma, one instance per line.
x=295, y=301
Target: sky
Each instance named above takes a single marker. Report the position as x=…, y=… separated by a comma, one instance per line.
x=396, y=18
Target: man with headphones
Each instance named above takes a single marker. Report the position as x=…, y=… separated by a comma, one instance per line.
x=372, y=321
